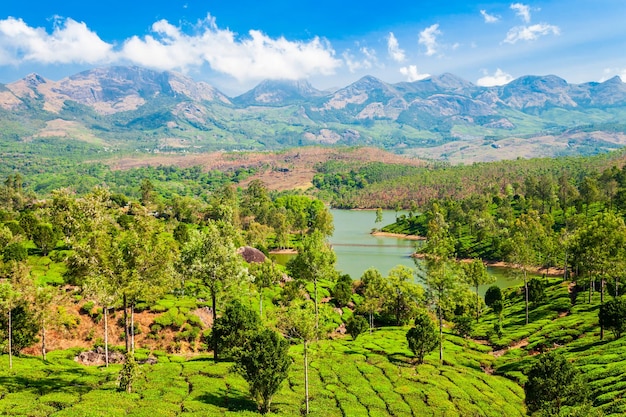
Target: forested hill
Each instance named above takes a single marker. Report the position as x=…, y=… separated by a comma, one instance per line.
x=107, y=111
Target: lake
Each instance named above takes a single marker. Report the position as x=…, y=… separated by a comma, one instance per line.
x=357, y=250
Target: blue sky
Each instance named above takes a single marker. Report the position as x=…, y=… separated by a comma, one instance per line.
x=235, y=44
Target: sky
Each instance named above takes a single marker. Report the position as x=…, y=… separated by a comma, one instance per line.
x=235, y=44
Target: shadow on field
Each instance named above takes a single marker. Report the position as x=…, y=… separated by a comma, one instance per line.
x=233, y=401
x=48, y=385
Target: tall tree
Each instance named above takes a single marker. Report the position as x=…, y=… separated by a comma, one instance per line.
x=299, y=323
x=315, y=261
x=265, y=275
x=439, y=272
x=475, y=274
x=210, y=257
x=374, y=292
x=525, y=246
x=403, y=296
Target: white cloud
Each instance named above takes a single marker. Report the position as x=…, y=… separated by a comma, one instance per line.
x=412, y=74
x=489, y=18
x=522, y=10
x=498, y=78
x=250, y=57
x=256, y=56
x=530, y=33
x=428, y=38
x=393, y=47
x=69, y=42
x=612, y=72
x=367, y=61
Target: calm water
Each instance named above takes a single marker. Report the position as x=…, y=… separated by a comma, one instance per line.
x=357, y=250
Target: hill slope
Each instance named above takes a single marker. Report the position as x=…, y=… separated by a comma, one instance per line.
x=130, y=108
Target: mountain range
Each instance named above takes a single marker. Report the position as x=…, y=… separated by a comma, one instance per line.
x=119, y=109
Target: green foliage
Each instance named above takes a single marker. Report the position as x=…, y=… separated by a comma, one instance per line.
x=356, y=325
x=24, y=327
x=342, y=292
x=463, y=325
x=536, y=291
x=235, y=328
x=423, y=337
x=612, y=316
x=493, y=294
x=264, y=364
x=128, y=374
x=552, y=383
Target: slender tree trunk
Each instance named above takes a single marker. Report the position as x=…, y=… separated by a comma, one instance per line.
x=132, y=327
x=526, y=291
x=317, y=319
x=477, y=304
x=371, y=321
x=10, y=342
x=590, y=288
x=602, y=290
x=126, y=327
x=306, y=376
x=565, y=267
x=106, y=336
x=214, y=304
x=43, y=339
x=440, y=332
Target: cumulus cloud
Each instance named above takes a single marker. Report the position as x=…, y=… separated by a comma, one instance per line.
x=412, y=74
x=530, y=33
x=489, y=18
x=393, y=47
x=69, y=42
x=522, y=10
x=428, y=38
x=249, y=57
x=498, y=78
x=256, y=56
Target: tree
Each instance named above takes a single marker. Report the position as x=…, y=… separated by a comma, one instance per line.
x=528, y=236
x=264, y=365
x=492, y=295
x=422, y=338
x=45, y=237
x=612, y=315
x=379, y=215
x=439, y=274
x=128, y=374
x=536, y=291
x=552, y=383
x=235, y=327
x=374, y=294
x=404, y=294
x=265, y=275
x=44, y=298
x=475, y=274
x=356, y=325
x=299, y=323
x=211, y=257
x=315, y=261
x=342, y=292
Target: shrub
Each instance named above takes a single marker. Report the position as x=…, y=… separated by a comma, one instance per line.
x=493, y=294
x=356, y=325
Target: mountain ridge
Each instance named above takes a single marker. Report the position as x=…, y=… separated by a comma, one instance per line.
x=122, y=106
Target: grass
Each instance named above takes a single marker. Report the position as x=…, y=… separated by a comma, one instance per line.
x=372, y=376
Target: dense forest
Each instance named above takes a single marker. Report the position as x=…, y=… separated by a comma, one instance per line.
x=161, y=277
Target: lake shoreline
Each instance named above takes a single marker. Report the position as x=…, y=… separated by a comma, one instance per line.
x=398, y=235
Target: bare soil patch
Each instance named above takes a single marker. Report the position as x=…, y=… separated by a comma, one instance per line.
x=284, y=170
